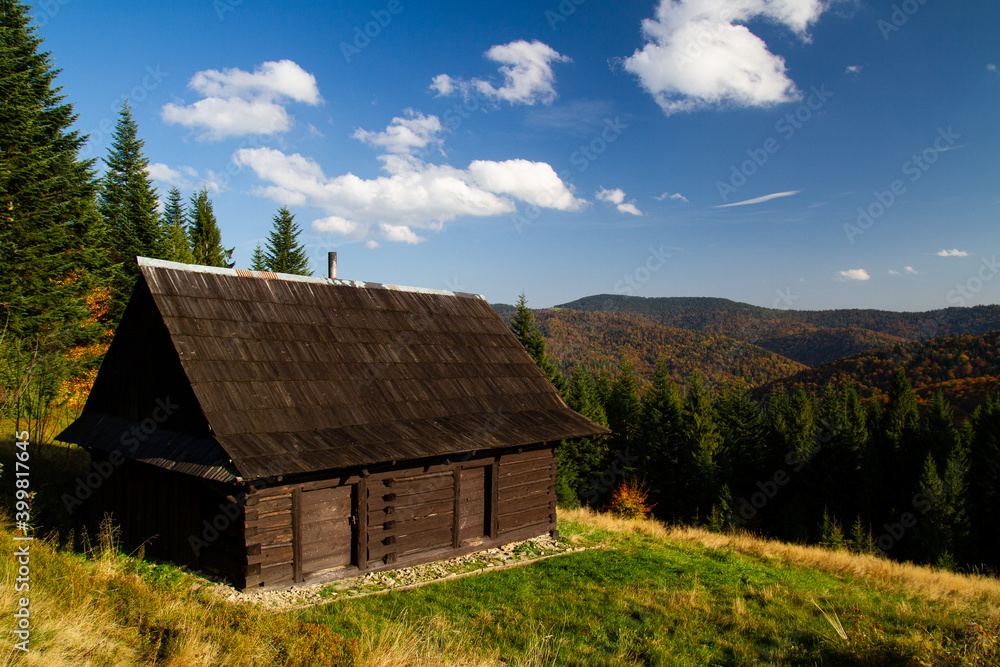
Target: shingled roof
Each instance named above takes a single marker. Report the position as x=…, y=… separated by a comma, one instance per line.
x=274, y=374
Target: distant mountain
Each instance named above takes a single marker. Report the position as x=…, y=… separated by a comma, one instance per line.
x=964, y=368
x=598, y=341
x=808, y=337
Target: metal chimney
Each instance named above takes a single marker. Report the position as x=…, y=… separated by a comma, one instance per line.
x=332, y=257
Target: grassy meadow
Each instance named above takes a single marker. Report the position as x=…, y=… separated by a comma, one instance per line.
x=646, y=594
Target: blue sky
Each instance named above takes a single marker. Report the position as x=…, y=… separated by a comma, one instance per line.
x=579, y=147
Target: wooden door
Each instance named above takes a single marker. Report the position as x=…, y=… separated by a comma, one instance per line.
x=326, y=533
x=474, y=504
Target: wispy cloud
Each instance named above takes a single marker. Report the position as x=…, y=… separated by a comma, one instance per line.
x=912, y=271
x=617, y=198
x=991, y=67
x=760, y=200
x=954, y=252
x=677, y=196
x=854, y=274
x=853, y=70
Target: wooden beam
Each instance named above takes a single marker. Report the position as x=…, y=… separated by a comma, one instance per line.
x=297, y=535
x=361, y=523
x=456, y=512
x=495, y=498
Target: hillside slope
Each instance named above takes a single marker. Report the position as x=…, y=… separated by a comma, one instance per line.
x=808, y=337
x=964, y=368
x=598, y=341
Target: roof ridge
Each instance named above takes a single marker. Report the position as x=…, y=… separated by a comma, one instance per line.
x=148, y=262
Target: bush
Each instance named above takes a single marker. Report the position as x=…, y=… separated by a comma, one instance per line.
x=630, y=500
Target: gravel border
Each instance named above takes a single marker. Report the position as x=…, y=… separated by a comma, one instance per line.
x=373, y=583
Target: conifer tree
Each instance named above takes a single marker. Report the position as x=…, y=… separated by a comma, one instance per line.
x=699, y=442
x=206, y=239
x=49, y=233
x=176, y=236
x=582, y=460
x=257, y=261
x=659, y=428
x=523, y=326
x=127, y=202
x=982, y=480
x=938, y=433
x=623, y=409
x=283, y=253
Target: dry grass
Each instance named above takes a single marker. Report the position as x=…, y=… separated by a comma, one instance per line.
x=930, y=583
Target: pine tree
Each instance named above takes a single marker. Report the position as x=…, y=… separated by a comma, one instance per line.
x=938, y=433
x=523, y=326
x=623, y=409
x=48, y=226
x=932, y=532
x=283, y=253
x=831, y=536
x=659, y=435
x=861, y=537
x=127, y=201
x=206, y=239
x=583, y=460
x=699, y=442
x=983, y=480
x=257, y=261
x=176, y=236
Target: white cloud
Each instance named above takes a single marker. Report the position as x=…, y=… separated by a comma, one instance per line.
x=527, y=75
x=399, y=233
x=533, y=182
x=853, y=69
x=666, y=195
x=991, y=67
x=371, y=244
x=699, y=54
x=411, y=195
x=164, y=174
x=760, y=200
x=854, y=274
x=237, y=103
x=893, y=273
x=954, y=252
x=912, y=271
x=187, y=178
x=405, y=134
x=617, y=198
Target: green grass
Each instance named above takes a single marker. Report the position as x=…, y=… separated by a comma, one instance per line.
x=646, y=600
x=645, y=595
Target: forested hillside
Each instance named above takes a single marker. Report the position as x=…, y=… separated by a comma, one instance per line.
x=808, y=337
x=964, y=368
x=597, y=342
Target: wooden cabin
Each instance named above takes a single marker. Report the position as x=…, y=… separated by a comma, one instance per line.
x=280, y=429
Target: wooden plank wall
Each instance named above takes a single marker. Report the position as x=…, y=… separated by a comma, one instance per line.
x=174, y=517
x=526, y=498
x=308, y=532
